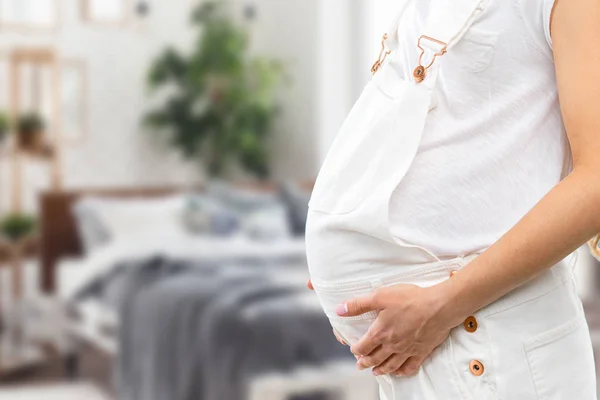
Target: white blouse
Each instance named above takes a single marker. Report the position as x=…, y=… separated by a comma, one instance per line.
x=495, y=144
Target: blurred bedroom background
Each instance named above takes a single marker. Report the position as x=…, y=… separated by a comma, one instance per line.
x=156, y=161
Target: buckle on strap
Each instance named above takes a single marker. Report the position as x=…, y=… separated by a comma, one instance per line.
x=382, y=55
x=440, y=49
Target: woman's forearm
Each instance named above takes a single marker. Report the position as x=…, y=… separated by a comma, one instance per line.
x=558, y=224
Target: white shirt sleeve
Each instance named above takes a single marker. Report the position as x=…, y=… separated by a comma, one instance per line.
x=547, y=7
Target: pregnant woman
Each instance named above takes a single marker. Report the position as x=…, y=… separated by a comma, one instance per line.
x=442, y=223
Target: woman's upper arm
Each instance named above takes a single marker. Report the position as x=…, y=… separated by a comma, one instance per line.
x=576, y=43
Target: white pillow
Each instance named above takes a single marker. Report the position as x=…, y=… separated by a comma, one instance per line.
x=92, y=232
x=123, y=218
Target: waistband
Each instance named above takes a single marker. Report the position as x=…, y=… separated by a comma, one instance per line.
x=409, y=274
x=437, y=272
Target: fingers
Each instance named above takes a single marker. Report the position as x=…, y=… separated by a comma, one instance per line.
x=391, y=364
x=339, y=338
x=369, y=342
x=357, y=306
x=377, y=357
x=310, y=285
x=410, y=367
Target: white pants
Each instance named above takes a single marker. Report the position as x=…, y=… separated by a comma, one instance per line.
x=532, y=344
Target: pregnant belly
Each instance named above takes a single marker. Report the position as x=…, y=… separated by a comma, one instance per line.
x=338, y=254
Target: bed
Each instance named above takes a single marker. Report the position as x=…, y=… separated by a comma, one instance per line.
x=59, y=236
x=165, y=306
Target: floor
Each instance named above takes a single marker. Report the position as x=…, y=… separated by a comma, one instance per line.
x=95, y=367
x=75, y=391
x=50, y=379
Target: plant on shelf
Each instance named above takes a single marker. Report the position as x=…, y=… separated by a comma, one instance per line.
x=223, y=100
x=17, y=226
x=30, y=131
x=4, y=127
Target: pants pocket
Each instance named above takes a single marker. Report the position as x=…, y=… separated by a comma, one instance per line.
x=561, y=362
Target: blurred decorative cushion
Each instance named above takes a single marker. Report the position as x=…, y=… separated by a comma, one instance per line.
x=204, y=215
x=296, y=201
x=240, y=199
x=226, y=210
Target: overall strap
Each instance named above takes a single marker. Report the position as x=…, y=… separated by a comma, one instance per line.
x=448, y=21
x=390, y=40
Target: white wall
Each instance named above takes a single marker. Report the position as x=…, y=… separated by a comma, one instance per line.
x=329, y=46
x=287, y=29
x=350, y=33
x=117, y=152
x=336, y=94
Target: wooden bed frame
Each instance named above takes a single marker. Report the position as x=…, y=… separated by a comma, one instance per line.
x=58, y=231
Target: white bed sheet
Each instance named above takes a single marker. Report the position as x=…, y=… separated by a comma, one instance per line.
x=75, y=273
x=94, y=318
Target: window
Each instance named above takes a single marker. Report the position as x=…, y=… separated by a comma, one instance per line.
x=106, y=11
x=29, y=13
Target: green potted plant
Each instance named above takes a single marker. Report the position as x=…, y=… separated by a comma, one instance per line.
x=224, y=103
x=4, y=127
x=17, y=226
x=30, y=131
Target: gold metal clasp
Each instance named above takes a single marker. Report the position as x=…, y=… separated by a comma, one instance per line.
x=382, y=56
x=421, y=71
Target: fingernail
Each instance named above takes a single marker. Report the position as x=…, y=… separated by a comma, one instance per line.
x=376, y=373
x=360, y=366
x=341, y=309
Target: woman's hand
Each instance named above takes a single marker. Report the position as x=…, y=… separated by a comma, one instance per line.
x=310, y=285
x=411, y=324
